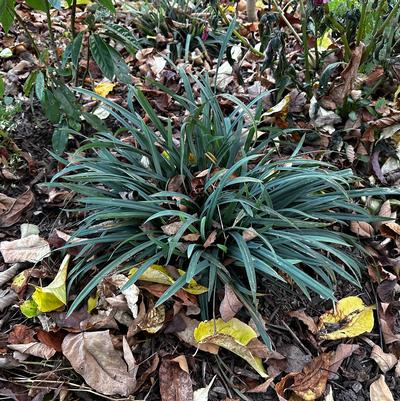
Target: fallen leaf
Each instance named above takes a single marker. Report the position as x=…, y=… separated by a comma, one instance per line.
x=104, y=88
x=210, y=239
x=342, y=352
x=172, y=228
x=187, y=335
x=379, y=390
x=348, y=75
x=54, y=295
x=51, y=339
x=20, y=282
x=385, y=361
x=29, y=249
x=175, y=382
x=160, y=274
x=310, y=383
x=7, y=275
x=29, y=308
x=234, y=336
x=249, y=234
x=351, y=319
x=7, y=298
x=154, y=320
x=21, y=334
x=362, y=229
x=261, y=388
x=307, y=320
x=34, y=349
x=131, y=293
x=93, y=356
x=11, y=209
x=202, y=393
x=230, y=305
x=224, y=77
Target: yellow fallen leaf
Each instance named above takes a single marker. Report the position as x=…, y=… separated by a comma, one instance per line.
x=55, y=294
x=29, y=308
x=282, y=106
x=92, y=302
x=260, y=5
x=325, y=41
x=160, y=275
x=104, y=88
x=154, y=320
x=351, y=319
x=233, y=335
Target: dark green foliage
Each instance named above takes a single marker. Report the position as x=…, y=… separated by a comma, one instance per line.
x=268, y=217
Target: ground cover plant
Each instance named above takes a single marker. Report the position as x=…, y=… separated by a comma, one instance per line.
x=198, y=200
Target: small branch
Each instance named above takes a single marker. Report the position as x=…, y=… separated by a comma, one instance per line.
x=286, y=21
x=241, y=38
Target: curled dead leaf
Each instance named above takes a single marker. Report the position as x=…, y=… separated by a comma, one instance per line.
x=11, y=209
x=307, y=320
x=230, y=304
x=379, y=390
x=362, y=229
x=28, y=249
x=310, y=383
x=93, y=356
x=35, y=349
x=385, y=361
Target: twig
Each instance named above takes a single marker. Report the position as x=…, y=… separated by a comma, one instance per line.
x=296, y=338
x=241, y=38
x=286, y=21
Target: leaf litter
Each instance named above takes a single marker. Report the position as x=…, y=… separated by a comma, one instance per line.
x=332, y=345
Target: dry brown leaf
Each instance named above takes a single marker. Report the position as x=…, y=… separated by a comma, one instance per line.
x=93, y=356
x=307, y=320
x=230, y=305
x=21, y=334
x=261, y=388
x=175, y=382
x=11, y=209
x=379, y=390
x=28, y=249
x=34, y=349
x=51, y=339
x=143, y=377
x=385, y=361
x=172, y=228
x=8, y=274
x=249, y=234
x=348, y=77
x=7, y=298
x=191, y=237
x=175, y=183
x=210, y=239
x=362, y=229
x=343, y=351
x=309, y=384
